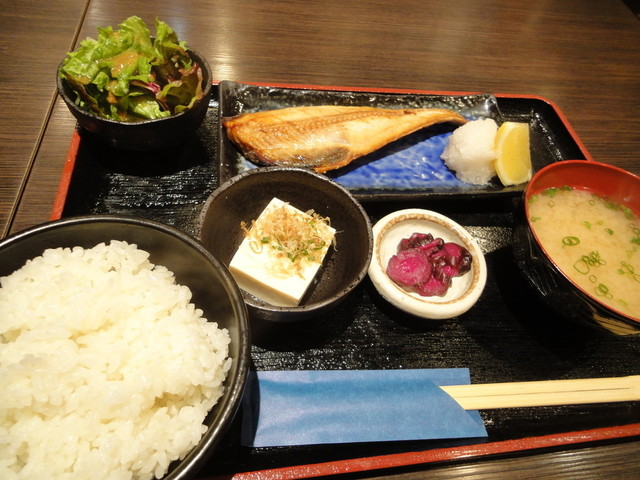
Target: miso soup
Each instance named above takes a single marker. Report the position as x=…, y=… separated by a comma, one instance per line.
x=594, y=241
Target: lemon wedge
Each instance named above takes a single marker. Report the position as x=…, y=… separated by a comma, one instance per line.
x=513, y=157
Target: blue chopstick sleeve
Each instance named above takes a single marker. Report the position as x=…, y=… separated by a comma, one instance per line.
x=286, y=408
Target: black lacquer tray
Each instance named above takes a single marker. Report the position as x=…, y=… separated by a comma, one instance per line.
x=510, y=335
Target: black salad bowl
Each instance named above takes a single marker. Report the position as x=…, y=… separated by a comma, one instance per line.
x=145, y=135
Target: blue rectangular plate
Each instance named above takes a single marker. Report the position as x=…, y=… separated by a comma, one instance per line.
x=410, y=167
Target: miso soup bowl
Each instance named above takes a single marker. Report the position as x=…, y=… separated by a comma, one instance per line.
x=555, y=288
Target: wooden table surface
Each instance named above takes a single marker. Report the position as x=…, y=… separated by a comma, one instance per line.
x=583, y=55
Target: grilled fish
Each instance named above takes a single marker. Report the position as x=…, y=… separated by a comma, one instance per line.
x=326, y=137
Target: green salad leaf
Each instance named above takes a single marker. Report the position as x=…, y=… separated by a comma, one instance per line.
x=127, y=75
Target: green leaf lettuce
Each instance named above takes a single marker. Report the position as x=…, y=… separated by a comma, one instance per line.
x=127, y=75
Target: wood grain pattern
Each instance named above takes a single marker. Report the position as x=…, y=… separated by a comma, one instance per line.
x=594, y=463
x=584, y=55
x=578, y=54
x=34, y=40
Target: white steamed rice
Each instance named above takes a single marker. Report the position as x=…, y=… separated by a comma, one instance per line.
x=470, y=152
x=106, y=368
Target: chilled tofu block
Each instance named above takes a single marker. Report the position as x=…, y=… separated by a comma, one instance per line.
x=281, y=253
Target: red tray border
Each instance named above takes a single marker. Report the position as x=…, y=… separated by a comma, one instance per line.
x=409, y=458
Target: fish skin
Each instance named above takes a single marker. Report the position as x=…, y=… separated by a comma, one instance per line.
x=326, y=137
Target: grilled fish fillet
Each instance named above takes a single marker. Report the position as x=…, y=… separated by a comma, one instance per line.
x=325, y=137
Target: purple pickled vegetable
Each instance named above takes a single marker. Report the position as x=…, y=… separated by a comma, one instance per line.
x=434, y=287
x=415, y=240
x=459, y=257
x=453, y=259
x=426, y=265
x=409, y=267
x=442, y=272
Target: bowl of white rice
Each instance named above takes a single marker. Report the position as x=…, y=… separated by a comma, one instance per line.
x=124, y=351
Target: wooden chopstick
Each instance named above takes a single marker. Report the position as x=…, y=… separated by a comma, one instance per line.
x=547, y=392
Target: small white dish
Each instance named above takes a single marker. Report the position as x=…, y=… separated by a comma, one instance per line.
x=465, y=290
